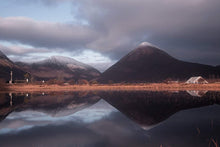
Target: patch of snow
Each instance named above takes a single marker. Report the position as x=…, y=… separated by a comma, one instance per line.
x=65, y=61
x=143, y=44
x=74, y=66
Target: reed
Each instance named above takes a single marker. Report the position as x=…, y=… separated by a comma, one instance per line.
x=113, y=87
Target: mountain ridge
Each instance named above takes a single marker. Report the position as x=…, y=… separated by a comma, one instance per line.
x=148, y=63
x=6, y=66
x=59, y=67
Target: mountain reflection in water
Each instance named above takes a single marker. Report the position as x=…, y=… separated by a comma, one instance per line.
x=150, y=108
x=135, y=118
x=52, y=103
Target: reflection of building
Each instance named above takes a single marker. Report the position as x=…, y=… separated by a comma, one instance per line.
x=11, y=102
x=197, y=93
x=196, y=80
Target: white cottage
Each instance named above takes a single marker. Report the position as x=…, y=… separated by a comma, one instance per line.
x=196, y=80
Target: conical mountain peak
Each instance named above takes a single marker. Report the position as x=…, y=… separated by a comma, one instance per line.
x=148, y=63
x=147, y=51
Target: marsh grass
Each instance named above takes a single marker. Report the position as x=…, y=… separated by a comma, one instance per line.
x=114, y=87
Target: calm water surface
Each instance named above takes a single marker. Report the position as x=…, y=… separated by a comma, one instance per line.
x=163, y=119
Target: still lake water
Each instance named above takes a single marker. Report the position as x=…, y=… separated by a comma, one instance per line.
x=157, y=119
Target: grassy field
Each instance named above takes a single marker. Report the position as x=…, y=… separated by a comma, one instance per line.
x=112, y=87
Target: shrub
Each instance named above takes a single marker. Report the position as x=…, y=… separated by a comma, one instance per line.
x=83, y=82
x=93, y=82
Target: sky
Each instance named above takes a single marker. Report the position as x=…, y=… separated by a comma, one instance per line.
x=100, y=32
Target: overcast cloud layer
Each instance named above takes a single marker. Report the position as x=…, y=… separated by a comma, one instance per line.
x=186, y=29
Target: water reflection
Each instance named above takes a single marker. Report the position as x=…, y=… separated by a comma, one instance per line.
x=97, y=125
x=55, y=104
x=151, y=108
x=197, y=93
x=109, y=118
x=192, y=128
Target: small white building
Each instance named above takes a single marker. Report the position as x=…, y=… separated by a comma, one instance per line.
x=196, y=80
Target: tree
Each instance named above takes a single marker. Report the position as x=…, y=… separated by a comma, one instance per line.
x=110, y=82
x=83, y=82
x=71, y=82
x=51, y=81
x=60, y=82
x=93, y=82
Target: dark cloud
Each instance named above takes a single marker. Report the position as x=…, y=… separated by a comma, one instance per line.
x=25, y=54
x=20, y=51
x=172, y=25
x=45, y=34
x=183, y=28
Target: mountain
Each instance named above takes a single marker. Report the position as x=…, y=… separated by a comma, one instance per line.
x=6, y=66
x=148, y=63
x=62, y=68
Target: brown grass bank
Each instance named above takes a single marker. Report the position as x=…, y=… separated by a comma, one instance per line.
x=112, y=87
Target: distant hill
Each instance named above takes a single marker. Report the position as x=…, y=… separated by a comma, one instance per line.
x=148, y=63
x=58, y=67
x=6, y=66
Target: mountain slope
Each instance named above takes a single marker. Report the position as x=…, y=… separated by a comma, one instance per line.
x=147, y=63
x=61, y=68
x=6, y=66
x=218, y=67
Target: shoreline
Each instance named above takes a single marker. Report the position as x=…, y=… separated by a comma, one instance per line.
x=113, y=87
